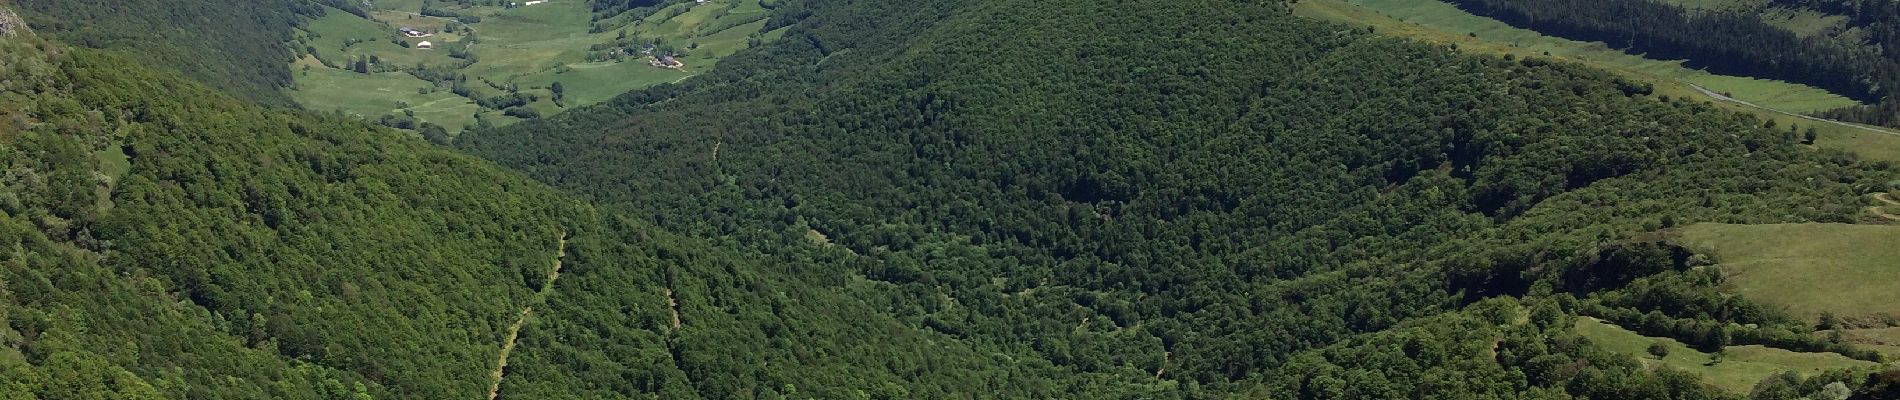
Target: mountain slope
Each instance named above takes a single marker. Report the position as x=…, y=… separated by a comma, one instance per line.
x=172, y=242
x=239, y=47
x=1206, y=192
x=315, y=242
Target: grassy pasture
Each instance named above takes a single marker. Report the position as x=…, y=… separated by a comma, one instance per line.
x=1444, y=17
x=1886, y=340
x=528, y=47
x=1738, y=372
x=589, y=83
x=402, y=5
x=331, y=33
x=728, y=41
x=1850, y=270
x=1438, y=22
x=374, y=95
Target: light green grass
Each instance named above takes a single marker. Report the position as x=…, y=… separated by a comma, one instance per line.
x=1447, y=18
x=1437, y=22
x=337, y=27
x=113, y=163
x=1739, y=371
x=403, y=5
x=1850, y=270
x=1885, y=340
x=375, y=95
x=328, y=34
x=523, y=46
x=684, y=24
x=726, y=42
x=590, y=83
x=1804, y=23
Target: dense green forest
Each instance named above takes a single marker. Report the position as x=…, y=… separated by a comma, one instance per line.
x=237, y=46
x=205, y=248
x=899, y=200
x=1878, y=23
x=168, y=241
x=1859, y=59
x=1213, y=194
x=1732, y=43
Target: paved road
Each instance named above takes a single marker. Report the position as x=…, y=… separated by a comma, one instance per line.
x=1719, y=96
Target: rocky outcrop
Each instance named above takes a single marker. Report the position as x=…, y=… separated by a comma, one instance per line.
x=10, y=24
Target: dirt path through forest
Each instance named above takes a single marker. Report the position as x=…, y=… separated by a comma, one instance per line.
x=1883, y=214
x=1883, y=197
x=514, y=330
x=673, y=304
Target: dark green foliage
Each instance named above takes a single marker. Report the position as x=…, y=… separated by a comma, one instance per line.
x=255, y=244
x=255, y=253
x=1208, y=193
x=237, y=46
x=901, y=199
x=1735, y=43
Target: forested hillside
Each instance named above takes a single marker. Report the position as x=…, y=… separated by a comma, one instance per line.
x=174, y=240
x=171, y=242
x=1208, y=193
x=1845, y=46
x=901, y=200
x=237, y=46
x=1735, y=43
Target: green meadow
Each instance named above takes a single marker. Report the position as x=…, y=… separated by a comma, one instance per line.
x=1850, y=270
x=526, y=48
x=1445, y=17
x=375, y=95
x=1737, y=372
x=1438, y=22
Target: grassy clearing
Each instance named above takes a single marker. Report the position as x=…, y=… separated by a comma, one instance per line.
x=590, y=83
x=1439, y=16
x=529, y=48
x=1850, y=270
x=1885, y=340
x=1804, y=23
x=340, y=37
x=724, y=43
x=1438, y=22
x=403, y=5
x=375, y=95
x=1738, y=372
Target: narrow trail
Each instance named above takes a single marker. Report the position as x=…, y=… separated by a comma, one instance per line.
x=673, y=304
x=1721, y=97
x=1164, y=364
x=1883, y=214
x=514, y=330
x=1889, y=201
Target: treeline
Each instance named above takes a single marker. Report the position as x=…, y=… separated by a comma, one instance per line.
x=604, y=9
x=1729, y=43
x=167, y=241
x=1686, y=304
x=237, y=46
x=1878, y=21
x=1247, y=204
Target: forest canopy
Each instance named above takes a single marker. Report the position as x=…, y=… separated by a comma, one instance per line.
x=899, y=199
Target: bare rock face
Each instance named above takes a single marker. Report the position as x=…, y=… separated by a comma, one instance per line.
x=10, y=24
